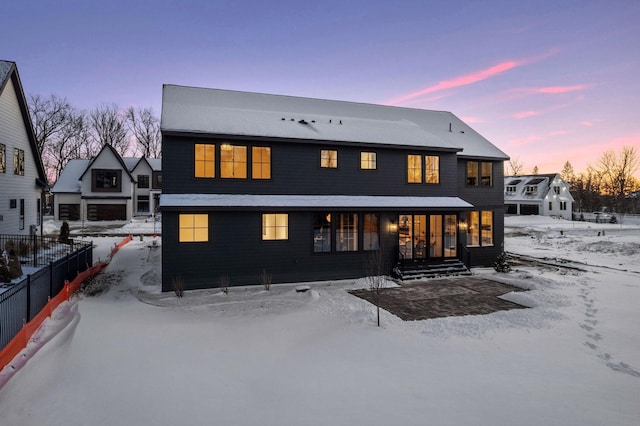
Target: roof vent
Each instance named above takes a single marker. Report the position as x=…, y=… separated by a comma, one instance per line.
x=302, y=121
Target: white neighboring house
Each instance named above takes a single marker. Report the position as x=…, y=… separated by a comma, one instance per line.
x=22, y=176
x=544, y=195
x=107, y=187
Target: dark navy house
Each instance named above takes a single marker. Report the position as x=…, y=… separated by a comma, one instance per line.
x=307, y=189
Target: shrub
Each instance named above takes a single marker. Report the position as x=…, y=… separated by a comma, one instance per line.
x=265, y=279
x=64, y=233
x=224, y=283
x=178, y=285
x=501, y=264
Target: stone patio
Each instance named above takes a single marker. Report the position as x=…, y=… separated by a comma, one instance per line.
x=444, y=298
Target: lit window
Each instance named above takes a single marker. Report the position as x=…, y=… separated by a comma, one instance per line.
x=371, y=237
x=473, y=229
x=347, y=232
x=3, y=158
x=328, y=158
x=487, y=228
x=193, y=228
x=261, y=162
x=205, y=160
x=322, y=233
x=368, y=161
x=414, y=168
x=472, y=173
x=432, y=168
x=233, y=161
x=18, y=161
x=487, y=173
x=275, y=226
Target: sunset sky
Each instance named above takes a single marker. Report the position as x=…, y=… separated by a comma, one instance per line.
x=546, y=81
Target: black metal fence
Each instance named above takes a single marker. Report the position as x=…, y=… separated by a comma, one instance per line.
x=33, y=250
x=23, y=300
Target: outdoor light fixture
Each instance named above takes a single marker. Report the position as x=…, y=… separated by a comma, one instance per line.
x=393, y=226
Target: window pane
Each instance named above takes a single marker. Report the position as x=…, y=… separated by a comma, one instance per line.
x=275, y=226
x=432, y=169
x=435, y=238
x=487, y=228
x=414, y=168
x=371, y=239
x=472, y=173
x=3, y=158
x=473, y=229
x=322, y=233
x=261, y=162
x=204, y=160
x=450, y=235
x=347, y=232
x=233, y=161
x=487, y=173
x=329, y=158
x=368, y=160
x=193, y=228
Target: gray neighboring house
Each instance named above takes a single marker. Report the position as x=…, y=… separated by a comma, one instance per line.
x=309, y=189
x=107, y=187
x=544, y=195
x=22, y=175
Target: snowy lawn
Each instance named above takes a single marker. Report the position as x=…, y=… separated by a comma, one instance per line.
x=135, y=356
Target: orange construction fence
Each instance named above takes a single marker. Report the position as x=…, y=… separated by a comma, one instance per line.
x=19, y=342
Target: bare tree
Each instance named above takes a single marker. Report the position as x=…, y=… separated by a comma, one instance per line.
x=70, y=143
x=516, y=166
x=108, y=127
x=376, y=270
x=145, y=128
x=535, y=170
x=49, y=117
x=616, y=172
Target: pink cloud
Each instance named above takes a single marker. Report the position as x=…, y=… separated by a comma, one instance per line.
x=472, y=120
x=587, y=123
x=561, y=89
x=525, y=114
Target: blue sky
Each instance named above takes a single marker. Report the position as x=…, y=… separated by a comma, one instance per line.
x=546, y=81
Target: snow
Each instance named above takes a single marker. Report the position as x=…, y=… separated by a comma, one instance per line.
x=134, y=355
x=363, y=201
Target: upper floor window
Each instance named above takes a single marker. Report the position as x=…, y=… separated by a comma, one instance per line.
x=193, y=228
x=368, y=161
x=233, y=161
x=414, y=168
x=479, y=173
x=510, y=189
x=205, y=155
x=531, y=189
x=157, y=180
x=328, y=158
x=261, y=162
x=18, y=162
x=275, y=226
x=432, y=169
x=143, y=181
x=556, y=190
x=106, y=180
x=3, y=158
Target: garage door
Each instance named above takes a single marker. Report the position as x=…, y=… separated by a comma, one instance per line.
x=106, y=212
x=526, y=209
x=69, y=211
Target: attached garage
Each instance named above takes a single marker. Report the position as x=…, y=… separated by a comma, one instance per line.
x=69, y=211
x=529, y=209
x=106, y=212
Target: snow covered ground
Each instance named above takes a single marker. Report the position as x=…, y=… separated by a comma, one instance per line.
x=136, y=356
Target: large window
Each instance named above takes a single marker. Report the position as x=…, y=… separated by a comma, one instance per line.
x=106, y=180
x=143, y=181
x=233, y=161
x=328, y=158
x=371, y=233
x=18, y=161
x=143, y=204
x=414, y=168
x=322, y=233
x=157, y=180
x=3, y=158
x=193, y=228
x=205, y=156
x=479, y=173
x=275, y=226
x=480, y=228
x=368, y=161
x=347, y=232
x=432, y=169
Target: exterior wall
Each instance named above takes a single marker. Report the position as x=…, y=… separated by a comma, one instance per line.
x=13, y=134
x=296, y=170
x=107, y=160
x=142, y=168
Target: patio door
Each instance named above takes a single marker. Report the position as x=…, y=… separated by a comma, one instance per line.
x=423, y=237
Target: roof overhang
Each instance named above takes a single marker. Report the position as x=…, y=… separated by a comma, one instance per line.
x=308, y=202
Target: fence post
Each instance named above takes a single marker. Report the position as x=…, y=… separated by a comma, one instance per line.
x=50, y=279
x=29, y=297
x=35, y=250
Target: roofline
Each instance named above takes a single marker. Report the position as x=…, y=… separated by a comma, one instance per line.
x=118, y=157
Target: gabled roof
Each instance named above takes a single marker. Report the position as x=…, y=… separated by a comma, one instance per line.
x=542, y=182
x=9, y=70
x=192, y=110
x=69, y=179
x=118, y=157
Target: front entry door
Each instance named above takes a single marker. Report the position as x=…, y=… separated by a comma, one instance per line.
x=422, y=237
